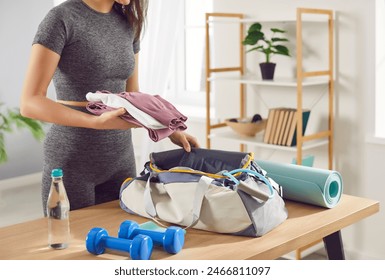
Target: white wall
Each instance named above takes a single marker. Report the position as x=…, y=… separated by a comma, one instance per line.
x=358, y=161
x=18, y=24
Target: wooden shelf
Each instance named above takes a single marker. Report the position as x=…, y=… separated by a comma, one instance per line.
x=238, y=75
x=267, y=20
x=278, y=82
x=257, y=141
x=248, y=20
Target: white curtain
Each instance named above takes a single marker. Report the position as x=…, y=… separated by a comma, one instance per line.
x=380, y=69
x=157, y=47
x=57, y=2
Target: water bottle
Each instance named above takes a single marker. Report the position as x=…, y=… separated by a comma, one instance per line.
x=58, y=208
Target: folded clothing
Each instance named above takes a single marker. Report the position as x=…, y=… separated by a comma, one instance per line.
x=157, y=107
x=116, y=101
x=154, y=113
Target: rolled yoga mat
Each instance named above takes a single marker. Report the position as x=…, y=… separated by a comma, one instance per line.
x=305, y=184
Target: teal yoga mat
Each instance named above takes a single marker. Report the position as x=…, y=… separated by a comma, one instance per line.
x=305, y=184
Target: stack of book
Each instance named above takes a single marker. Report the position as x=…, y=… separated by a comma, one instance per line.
x=281, y=127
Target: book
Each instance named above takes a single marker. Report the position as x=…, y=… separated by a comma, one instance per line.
x=269, y=123
x=284, y=126
x=292, y=136
x=287, y=126
x=278, y=128
x=274, y=125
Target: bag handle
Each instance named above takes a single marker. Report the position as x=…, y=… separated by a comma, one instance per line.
x=202, y=187
x=248, y=189
x=181, y=169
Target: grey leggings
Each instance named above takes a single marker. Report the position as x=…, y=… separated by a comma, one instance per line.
x=95, y=163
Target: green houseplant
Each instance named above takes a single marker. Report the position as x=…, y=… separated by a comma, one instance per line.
x=267, y=46
x=11, y=118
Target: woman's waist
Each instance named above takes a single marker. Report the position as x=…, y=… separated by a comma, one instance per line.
x=73, y=103
x=73, y=134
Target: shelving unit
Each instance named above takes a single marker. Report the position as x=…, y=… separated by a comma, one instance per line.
x=303, y=80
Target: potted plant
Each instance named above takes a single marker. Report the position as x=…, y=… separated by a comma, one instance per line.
x=11, y=118
x=268, y=46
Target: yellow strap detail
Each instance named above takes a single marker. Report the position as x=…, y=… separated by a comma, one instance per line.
x=128, y=179
x=217, y=176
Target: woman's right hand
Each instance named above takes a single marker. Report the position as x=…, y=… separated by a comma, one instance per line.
x=112, y=120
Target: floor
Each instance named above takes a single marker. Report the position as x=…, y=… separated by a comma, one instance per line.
x=318, y=255
x=23, y=204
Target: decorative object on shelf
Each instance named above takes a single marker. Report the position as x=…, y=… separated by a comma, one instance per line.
x=268, y=46
x=10, y=118
x=281, y=127
x=247, y=126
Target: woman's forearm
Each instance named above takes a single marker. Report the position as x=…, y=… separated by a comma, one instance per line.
x=44, y=109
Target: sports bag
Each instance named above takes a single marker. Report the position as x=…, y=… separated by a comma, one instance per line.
x=212, y=190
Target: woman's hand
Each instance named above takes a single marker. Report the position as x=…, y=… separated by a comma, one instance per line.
x=112, y=120
x=184, y=140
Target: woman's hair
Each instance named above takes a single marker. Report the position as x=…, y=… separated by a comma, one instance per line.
x=136, y=13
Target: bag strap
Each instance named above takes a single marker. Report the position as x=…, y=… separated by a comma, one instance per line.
x=202, y=187
x=181, y=169
x=248, y=189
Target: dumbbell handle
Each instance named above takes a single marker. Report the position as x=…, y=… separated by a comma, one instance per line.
x=156, y=236
x=117, y=243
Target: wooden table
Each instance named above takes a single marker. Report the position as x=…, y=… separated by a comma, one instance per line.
x=306, y=224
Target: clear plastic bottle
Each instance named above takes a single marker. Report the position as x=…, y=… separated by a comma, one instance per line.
x=58, y=208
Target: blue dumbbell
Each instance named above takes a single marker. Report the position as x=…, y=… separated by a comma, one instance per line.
x=139, y=248
x=171, y=239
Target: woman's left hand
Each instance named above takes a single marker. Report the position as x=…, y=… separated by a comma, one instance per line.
x=184, y=140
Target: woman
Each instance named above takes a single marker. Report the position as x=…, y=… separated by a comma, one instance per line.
x=86, y=46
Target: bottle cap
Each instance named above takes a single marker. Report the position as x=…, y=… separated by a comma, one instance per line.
x=57, y=172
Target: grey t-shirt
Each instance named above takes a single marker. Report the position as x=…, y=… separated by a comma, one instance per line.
x=97, y=49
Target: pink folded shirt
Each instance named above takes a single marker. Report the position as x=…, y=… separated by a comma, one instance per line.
x=157, y=107
x=152, y=105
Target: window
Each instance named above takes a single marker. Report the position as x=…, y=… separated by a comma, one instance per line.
x=57, y=2
x=187, y=80
x=380, y=70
